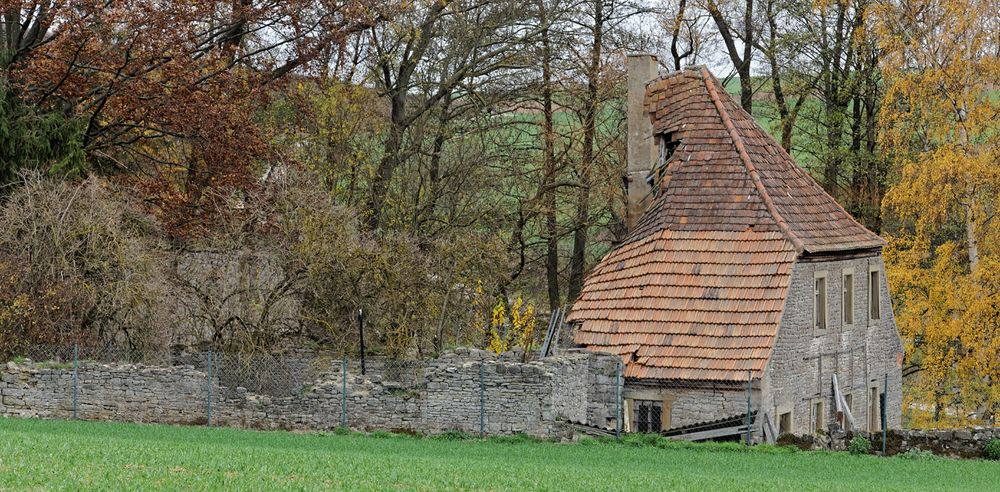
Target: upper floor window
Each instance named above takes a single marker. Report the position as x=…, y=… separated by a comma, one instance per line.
x=819, y=303
x=874, y=295
x=848, y=299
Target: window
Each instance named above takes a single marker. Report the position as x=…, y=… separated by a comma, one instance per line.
x=848, y=299
x=874, y=419
x=785, y=423
x=819, y=303
x=648, y=416
x=848, y=408
x=817, y=420
x=874, y=295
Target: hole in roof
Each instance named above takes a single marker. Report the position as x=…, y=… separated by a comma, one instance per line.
x=668, y=143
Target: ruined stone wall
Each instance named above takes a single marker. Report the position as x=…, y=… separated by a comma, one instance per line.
x=955, y=443
x=432, y=396
x=122, y=392
x=803, y=362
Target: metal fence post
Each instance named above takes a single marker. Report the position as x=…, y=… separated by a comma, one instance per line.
x=209, y=385
x=76, y=362
x=618, y=400
x=343, y=393
x=749, y=389
x=361, y=337
x=482, y=400
x=885, y=400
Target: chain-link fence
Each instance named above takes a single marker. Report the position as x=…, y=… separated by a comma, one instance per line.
x=467, y=390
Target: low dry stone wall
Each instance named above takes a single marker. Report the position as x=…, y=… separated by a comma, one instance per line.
x=444, y=394
x=955, y=443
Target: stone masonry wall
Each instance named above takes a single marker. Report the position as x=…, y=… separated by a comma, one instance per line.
x=433, y=396
x=690, y=403
x=803, y=363
x=955, y=443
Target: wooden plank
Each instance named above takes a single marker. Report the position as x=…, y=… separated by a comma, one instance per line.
x=557, y=330
x=712, y=434
x=770, y=435
x=553, y=319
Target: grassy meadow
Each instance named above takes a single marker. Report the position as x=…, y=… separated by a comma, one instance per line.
x=57, y=455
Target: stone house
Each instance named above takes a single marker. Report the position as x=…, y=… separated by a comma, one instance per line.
x=738, y=266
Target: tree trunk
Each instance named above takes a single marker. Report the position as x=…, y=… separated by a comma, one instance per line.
x=741, y=62
x=390, y=161
x=582, y=229
x=787, y=117
x=970, y=206
x=549, y=178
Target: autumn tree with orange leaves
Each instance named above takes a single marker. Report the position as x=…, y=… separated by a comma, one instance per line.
x=941, y=120
x=165, y=92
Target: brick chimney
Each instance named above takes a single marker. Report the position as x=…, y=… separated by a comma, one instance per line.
x=640, y=144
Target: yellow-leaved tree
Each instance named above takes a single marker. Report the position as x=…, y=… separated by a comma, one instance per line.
x=941, y=124
x=514, y=330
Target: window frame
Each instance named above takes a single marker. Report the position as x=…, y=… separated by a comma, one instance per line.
x=875, y=280
x=823, y=276
x=874, y=409
x=634, y=396
x=782, y=412
x=648, y=405
x=847, y=291
x=817, y=417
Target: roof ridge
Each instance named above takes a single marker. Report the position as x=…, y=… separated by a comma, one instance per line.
x=748, y=163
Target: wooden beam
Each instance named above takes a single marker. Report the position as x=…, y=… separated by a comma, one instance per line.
x=712, y=434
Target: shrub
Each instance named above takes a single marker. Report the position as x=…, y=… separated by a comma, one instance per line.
x=775, y=449
x=860, y=445
x=78, y=262
x=918, y=454
x=992, y=450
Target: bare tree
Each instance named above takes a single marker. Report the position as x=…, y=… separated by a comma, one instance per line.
x=739, y=34
x=449, y=41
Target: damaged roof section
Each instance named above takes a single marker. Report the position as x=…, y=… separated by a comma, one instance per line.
x=729, y=174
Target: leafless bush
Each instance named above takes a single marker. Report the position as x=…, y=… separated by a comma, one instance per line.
x=77, y=263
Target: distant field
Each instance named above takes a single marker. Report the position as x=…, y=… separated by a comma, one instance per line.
x=87, y=455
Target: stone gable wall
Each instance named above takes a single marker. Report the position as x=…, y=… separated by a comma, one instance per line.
x=433, y=396
x=802, y=364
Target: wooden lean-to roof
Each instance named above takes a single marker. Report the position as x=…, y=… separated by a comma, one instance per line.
x=697, y=290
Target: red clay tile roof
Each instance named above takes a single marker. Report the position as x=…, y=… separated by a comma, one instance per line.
x=729, y=174
x=697, y=290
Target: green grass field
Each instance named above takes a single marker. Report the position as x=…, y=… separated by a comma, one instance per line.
x=87, y=455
